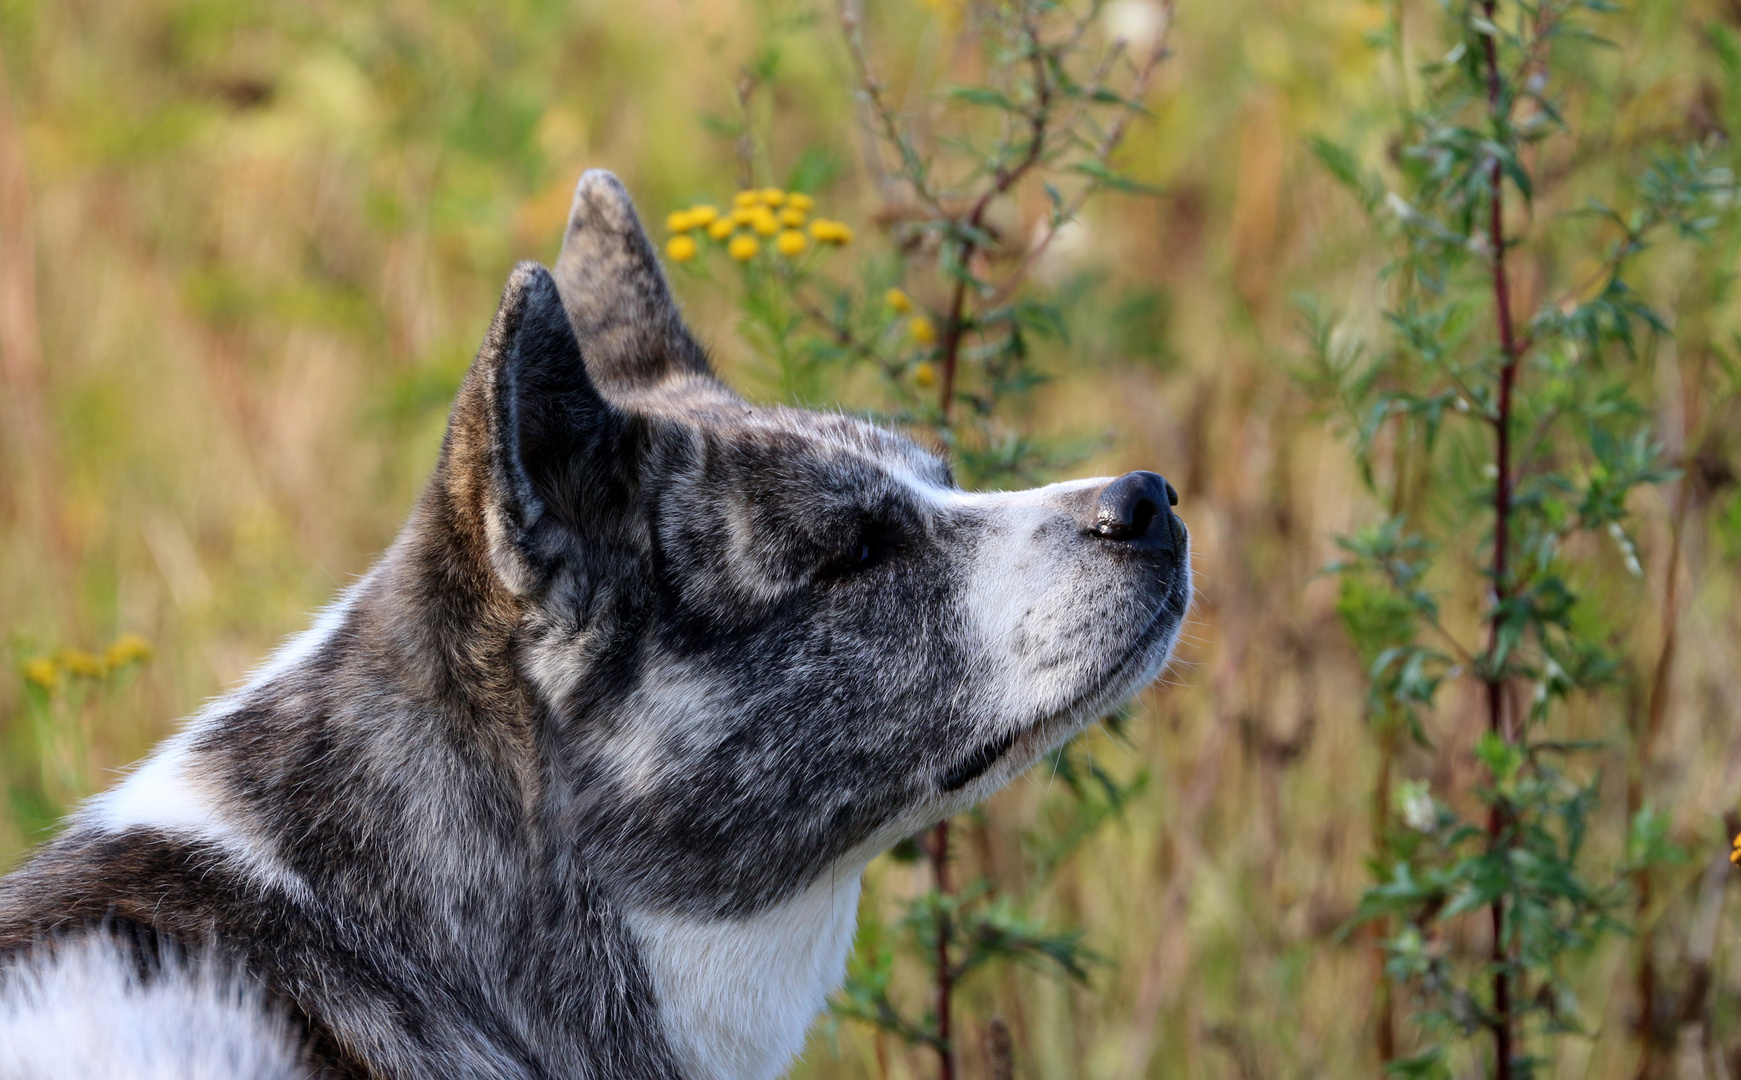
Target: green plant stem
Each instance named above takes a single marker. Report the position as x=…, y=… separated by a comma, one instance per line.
x=1497, y=816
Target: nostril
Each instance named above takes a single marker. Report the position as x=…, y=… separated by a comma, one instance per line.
x=1141, y=516
x=1126, y=509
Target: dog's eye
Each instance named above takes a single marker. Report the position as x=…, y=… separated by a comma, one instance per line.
x=872, y=547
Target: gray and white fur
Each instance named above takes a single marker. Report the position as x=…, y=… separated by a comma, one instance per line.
x=580, y=779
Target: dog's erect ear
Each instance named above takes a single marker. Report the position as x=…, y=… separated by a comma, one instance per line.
x=534, y=458
x=616, y=295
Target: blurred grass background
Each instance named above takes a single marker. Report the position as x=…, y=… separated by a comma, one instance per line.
x=247, y=250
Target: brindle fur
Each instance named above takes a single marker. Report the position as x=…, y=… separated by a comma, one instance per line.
x=643, y=649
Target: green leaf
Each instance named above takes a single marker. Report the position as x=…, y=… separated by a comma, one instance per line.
x=983, y=96
x=1106, y=177
x=817, y=168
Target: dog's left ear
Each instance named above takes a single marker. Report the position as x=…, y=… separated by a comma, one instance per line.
x=621, y=308
x=535, y=459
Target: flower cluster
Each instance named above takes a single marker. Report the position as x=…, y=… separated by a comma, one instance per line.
x=754, y=216
x=44, y=672
x=921, y=330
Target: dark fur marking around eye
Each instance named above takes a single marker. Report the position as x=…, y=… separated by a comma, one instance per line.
x=874, y=545
x=974, y=767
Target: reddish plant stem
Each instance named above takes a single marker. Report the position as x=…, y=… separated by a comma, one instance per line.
x=1497, y=818
x=1002, y=180
x=1386, y=1032
x=939, y=853
x=1656, y=1044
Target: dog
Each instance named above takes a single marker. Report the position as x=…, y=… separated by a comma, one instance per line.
x=580, y=779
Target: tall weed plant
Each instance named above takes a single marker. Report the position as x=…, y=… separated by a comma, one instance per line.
x=1503, y=416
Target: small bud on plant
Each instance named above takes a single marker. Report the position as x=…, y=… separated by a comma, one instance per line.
x=127, y=649
x=43, y=672
x=82, y=664
x=680, y=248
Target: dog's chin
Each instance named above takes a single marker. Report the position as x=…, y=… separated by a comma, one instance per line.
x=1001, y=758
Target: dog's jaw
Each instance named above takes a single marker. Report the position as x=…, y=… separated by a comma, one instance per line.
x=737, y=995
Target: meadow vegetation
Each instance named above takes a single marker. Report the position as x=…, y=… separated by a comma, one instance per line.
x=247, y=250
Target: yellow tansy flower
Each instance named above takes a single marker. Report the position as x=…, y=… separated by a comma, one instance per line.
x=773, y=196
x=898, y=301
x=42, y=672
x=746, y=198
x=791, y=217
x=721, y=228
x=679, y=221
x=743, y=215
x=680, y=248
x=703, y=215
x=743, y=248
x=82, y=664
x=830, y=232
x=925, y=375
x=797, y=200
x=126, y=649
x=765, y=222
x=922, y=330
x=790, y=243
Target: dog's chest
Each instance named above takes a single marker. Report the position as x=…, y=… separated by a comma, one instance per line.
x=736, y=996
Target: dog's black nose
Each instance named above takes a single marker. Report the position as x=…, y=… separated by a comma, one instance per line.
x=1133, y=509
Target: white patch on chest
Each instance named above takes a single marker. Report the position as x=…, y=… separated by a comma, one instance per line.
x=737, y=995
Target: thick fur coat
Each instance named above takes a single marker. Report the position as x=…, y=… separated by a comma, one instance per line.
x=579, y=780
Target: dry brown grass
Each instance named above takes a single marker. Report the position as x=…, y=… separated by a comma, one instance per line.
x=246, y=250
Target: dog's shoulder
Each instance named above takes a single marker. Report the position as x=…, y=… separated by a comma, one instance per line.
x=146, y=918
x=88, y=877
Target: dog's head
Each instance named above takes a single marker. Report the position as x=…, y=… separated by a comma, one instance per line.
x=760, y=640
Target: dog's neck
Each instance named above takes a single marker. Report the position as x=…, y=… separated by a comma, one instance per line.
x=737, y=995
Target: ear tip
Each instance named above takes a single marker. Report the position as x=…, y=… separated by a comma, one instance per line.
x=600, y=198
x=529, y=282
x=600, y=180
x=528, y=273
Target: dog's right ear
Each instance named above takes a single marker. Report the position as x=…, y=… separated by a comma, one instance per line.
x=535, y=460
